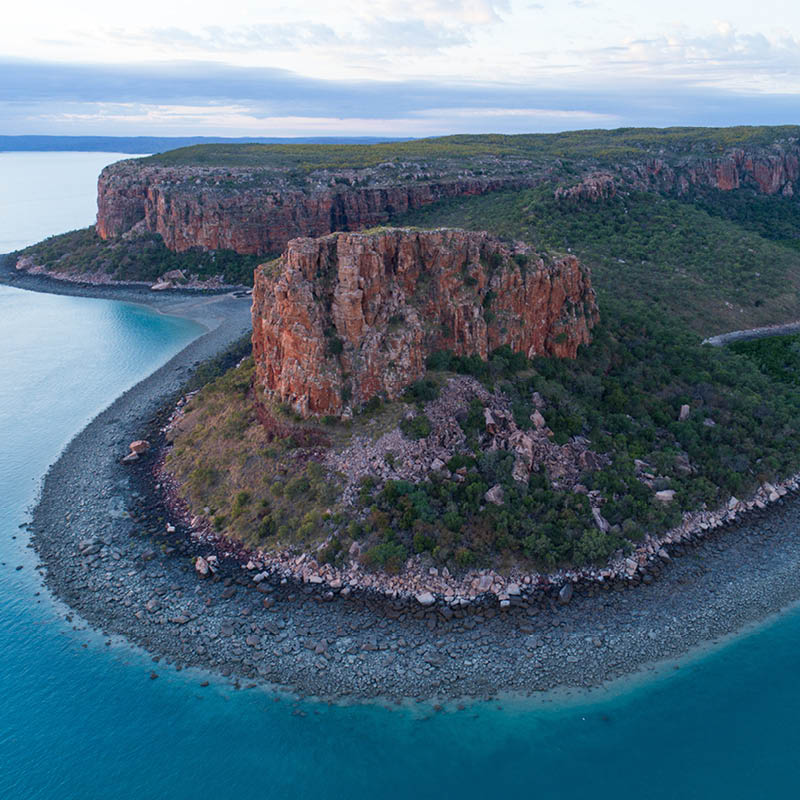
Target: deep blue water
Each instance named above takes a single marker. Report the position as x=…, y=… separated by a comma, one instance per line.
x=79, y=719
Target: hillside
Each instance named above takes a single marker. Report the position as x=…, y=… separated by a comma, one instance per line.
x=499, y=455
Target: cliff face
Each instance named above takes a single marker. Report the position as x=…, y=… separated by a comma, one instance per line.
x=217, y=210
x=766, y=172
x=258, y=210
x=340, y=319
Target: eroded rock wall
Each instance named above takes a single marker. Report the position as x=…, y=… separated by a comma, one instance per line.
x=251, y=213
x=342, y=318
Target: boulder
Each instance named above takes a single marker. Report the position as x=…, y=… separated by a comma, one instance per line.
x=665, y=496
x=565, y=594
x=139, y=446
x=495, y=495
x=600, y=521
x=425, y=599
x=538, y=420
x=684, y=413
x=130, y=458
x=201, y=566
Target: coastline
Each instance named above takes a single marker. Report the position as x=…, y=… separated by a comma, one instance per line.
x=103, y=563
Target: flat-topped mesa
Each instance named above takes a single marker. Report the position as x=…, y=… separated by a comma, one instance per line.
x=343, y=318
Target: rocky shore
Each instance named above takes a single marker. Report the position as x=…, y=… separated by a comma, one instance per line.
x=113, y=554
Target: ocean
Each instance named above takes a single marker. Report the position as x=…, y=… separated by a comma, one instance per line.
x=80, y=718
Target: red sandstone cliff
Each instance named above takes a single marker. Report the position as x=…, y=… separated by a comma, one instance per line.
x=340, y=319
x=767, y=173
x=258, y=210
x=250, y=213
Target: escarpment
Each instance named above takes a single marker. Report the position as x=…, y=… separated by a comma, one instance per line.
x=340, y=319
x=250, y=213
x=257, y=209
x=769, y=173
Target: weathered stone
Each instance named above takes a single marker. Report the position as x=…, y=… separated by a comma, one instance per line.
x=201, y=566
x=495, y=495
x=600, y=520
x=684, y=413
x=139, y=446
x=665, y=496
x=425, y=599
x=391, y=298
x=565, y=593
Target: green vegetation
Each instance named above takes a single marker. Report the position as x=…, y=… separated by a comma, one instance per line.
x=775, y=218
x=417, y=427
x=257, y=486
x=776, y=356
x=138, y=258
x=704, y=271
x=624, y=393
x=600, y=146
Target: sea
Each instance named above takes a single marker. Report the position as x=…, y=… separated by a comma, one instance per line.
x=81, y=718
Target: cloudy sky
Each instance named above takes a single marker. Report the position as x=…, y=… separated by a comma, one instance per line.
x=394, y=67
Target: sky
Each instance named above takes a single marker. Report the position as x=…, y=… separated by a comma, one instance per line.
x=394, y=67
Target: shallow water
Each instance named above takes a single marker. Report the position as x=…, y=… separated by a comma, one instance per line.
x=46, y=193
x=87, y=722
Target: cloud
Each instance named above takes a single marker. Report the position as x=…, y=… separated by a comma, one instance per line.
x=448, y=12
x=212, y=99
x=723, y=56
x=400, y=35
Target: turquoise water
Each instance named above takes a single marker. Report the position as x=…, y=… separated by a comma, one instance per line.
x=80, y=719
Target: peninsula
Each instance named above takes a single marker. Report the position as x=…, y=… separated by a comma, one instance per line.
x=495, y=415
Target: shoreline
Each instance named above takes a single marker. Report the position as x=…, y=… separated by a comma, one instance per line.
x=111, y=559
x=419, y=585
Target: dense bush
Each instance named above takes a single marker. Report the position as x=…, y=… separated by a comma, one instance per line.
x=139, y=258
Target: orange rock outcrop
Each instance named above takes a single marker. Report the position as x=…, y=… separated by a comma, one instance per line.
x=342, y=318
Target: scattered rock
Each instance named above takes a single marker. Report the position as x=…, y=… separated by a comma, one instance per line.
x=565, y=594
x=425, y=599
x=495, y=495
x=684, y=413
x=600, y=521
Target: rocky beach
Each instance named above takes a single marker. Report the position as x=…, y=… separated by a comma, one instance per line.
x=113, y=554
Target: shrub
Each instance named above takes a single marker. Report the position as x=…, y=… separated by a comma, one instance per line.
x=417, y=427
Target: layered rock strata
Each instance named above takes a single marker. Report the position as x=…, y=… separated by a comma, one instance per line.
x=343, y=318
x=243, y=211
x=258, y=210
